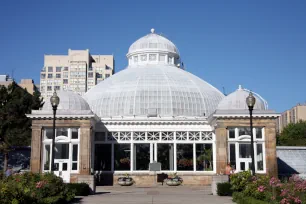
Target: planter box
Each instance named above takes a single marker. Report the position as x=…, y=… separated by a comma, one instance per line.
x=125, y=181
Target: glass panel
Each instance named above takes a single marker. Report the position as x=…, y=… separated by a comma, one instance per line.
x=64, y=167
x=233, y=155
x=103, y=154
x=49, y=133
x=250, y=165
x=74, y=166
x=47, y=157
x=122, y=157
x=100, y=136
x=231, y=133
x=75, y=153
x=74, y=133
x=165, y=155
x=204, y=155
x=258, y=133
x=244, y=150
x=56, y=166
x=244, y=131
x=242, y=166
x=62, y=132
x=61, y=151
x=141, y=156
x=184, y=157
x=259, y=157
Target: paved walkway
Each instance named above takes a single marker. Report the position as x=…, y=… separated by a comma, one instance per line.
x=153, y=195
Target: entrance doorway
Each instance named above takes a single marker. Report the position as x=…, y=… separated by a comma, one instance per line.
x=62, y=169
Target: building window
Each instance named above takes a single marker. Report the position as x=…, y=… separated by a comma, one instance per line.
x=65, y=81
x=135, y=58
x=50, y=69
x=47, y=154
x=204, y=157
x=122, y=157
x=61, y=151
x=231, y=133
x=89, y=68
x=259, y=157
x=62, y=132
x=107, y=67
x=56, y=88
x=184, y=157
x=58, y=75
x=141, y=157
x=58, y=69
x=107, y=75
x=152, y=57
x=49, y=88
x=143, y=57
x=258, y=133
x=65, y=75
x=50, y=76
x=90, y=74
x=165, y=155
x=244, y=131
x=103, y=157
x=74, y=162
x=232, y=155
x=66, y=68
x=43, y=76
x=99, y=76
x=74, y=133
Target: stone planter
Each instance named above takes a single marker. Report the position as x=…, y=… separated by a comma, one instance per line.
x=125, y=181
x=174, y=181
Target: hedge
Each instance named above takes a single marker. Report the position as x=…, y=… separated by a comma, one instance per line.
x=224, y=189
x=240, y=199
x=80, y=189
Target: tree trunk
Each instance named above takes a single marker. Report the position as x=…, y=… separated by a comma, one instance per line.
x=5, y=162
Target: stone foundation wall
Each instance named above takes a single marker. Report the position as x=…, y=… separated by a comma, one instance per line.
x=151, y=179
x=89, y=179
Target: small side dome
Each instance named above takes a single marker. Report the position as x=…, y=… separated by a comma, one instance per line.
x=68, y=101
x=237, y=101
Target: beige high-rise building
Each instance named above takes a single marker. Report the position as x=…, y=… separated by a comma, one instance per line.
x=293, y=115
x=78, y=71
x=28, y=84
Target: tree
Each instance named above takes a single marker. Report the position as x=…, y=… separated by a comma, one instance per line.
x=15, y=129
x=293, y=134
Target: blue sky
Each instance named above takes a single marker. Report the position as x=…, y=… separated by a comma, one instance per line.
x=259, y=44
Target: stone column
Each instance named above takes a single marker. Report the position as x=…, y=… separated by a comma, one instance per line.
x=221, y=149
x=85, y=149
x=271, y=158
x=36, y=149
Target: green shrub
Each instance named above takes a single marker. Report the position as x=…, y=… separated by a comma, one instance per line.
x=80, y=189
x=240, y=180
x=239, y=198
x=34, y=188
x=224, y=189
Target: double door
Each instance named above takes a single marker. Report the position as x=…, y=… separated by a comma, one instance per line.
x=62, y=169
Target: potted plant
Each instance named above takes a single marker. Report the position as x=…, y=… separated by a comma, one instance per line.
x=174, y=180
x=125, y=180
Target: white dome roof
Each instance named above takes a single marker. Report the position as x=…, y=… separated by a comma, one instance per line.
x=68, y=101
x=152, y=42
x=167, y=90
x=237, y=101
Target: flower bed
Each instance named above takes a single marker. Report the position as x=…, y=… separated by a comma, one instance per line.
x=34, y=188
x=270, y=190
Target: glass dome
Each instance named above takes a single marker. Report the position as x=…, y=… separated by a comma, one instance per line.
x=161, y=89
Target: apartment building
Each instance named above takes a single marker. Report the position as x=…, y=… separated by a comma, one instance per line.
x=293, y=115
x=28, y=84
x=78, y=71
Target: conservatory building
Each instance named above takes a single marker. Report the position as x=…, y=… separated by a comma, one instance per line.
x=153, y=111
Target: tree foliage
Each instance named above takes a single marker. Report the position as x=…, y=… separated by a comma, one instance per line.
x=293, y=134
x=15, y=129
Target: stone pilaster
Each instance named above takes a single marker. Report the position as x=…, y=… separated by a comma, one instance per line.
x=85, y=149
x=36, y=149
x=271, y=158
x=221, y=149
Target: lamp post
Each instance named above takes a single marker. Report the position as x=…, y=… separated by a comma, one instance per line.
x=250, y=100
x=54, y=102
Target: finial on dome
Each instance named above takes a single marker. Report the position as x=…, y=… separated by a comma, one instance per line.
x=152, y=30
x=239, y=87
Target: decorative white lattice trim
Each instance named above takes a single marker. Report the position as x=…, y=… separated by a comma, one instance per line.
x=166, y=136
x=181, y=136
x=125, y=136
x=112, y=136
x=153, y=136
x=207, y=136
x=138, y=136
x=194, y=136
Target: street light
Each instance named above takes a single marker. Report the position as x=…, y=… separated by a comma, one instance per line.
x=54, y=102
x=250, y=100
